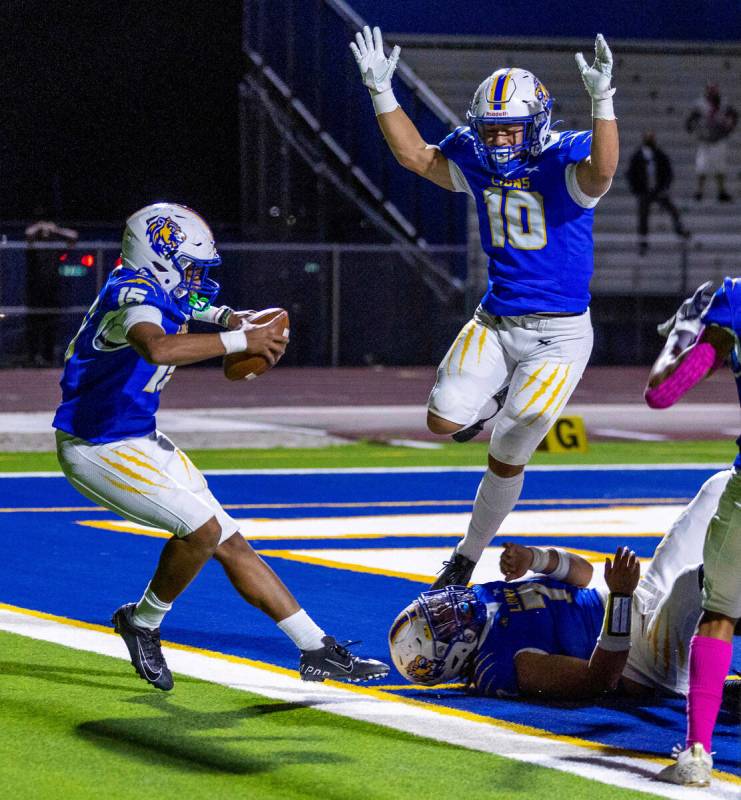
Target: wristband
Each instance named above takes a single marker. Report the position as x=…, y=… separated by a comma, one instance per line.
x=540, y=559
x=616, y=627
x=564, y=564
x=383, y=102
x=602, y=107
x=234, y=341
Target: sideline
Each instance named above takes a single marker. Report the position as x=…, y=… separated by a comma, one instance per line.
x=580, y=757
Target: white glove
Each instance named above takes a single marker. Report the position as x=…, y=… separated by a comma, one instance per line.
x=597, y=78
x=375, y=69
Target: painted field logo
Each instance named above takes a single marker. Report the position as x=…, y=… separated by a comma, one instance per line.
x=165, y=236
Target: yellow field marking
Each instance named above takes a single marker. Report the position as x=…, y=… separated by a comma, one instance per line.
x=418, y=687
x=287, y=555
x=618, y=502
x=124, y=527
x=379, y=693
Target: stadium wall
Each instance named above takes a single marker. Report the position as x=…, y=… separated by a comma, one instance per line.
x=708, y=20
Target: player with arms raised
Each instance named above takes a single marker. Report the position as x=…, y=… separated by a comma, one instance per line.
x=128, y=346
x=535, y=191
x=704, y=332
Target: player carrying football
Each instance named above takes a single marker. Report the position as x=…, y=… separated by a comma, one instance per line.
x=129, y=344
x=702, y=334
x=535, y=190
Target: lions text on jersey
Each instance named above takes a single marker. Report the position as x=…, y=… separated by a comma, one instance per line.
x=535, y=224
x=541, y=615
x=109, y=392
x=725, y=311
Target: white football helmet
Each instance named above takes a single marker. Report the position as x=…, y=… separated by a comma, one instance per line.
x=434, y=638
x=510, y=96
x=176, y=247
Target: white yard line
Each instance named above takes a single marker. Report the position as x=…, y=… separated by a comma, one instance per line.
x=371, y=706
x=396, y=470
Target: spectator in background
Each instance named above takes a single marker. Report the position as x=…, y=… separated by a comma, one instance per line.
x=42, y=290
x=649, y=177
x=712, y=123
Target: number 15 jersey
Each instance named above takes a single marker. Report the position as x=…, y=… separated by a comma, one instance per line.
x=109, y=392
x=535, y=224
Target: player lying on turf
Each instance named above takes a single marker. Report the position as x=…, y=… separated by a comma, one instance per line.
x=535, y=192
x=127, y=348
x=702, y=334
x=552, y=638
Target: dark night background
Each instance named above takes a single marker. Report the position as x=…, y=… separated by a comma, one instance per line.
x=107, y=106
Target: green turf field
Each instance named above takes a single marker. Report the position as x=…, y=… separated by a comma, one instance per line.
x=80, y=725
x=371, y=454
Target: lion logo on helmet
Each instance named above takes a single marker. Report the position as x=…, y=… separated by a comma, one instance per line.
x=165, y=236
x=424, y=670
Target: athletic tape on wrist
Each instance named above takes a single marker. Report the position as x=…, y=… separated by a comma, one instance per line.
x=564, y=564
x=234, y=341
x=540, y=559
x=383, y=102
x=602, y=108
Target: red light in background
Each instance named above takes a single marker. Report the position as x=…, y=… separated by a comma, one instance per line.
x=88, y=260
x=63, y=257
x=118, y=262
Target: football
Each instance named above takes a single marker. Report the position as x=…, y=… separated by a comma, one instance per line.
x=246, y=366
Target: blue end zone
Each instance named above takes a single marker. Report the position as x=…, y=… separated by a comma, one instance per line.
x=52, y=564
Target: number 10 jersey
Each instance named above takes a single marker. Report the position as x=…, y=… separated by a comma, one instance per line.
x=535, y=224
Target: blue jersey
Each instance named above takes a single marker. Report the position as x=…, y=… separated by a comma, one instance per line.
x=537, y=237
x=725, y=310
x=543, y=615
x=109, y=392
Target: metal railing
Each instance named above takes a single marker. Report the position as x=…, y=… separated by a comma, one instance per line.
x=349, y=304
x=321, y=86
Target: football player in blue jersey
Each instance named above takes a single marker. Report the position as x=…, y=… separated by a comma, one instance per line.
x=704, y=334
x=550, y=636
x=130, y=342
x=535, y=191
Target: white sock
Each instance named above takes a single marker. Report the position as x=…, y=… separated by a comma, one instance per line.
x=495, y=498
x=301, y=629
x=150, y=610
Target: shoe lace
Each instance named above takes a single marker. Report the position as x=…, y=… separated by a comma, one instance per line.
x=341, y=648
x=151, y=644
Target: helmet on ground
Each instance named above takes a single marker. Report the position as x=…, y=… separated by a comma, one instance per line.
x=176, y=247
x=433, y=638
x=510, y=96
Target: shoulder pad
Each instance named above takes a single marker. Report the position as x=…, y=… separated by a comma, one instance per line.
x=134, y=289
x=576, y=143
x=456, y=139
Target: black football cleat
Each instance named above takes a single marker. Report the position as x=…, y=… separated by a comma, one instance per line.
x=144, y=648
x=466, y=434
x=456, y=572
x=336, y=662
